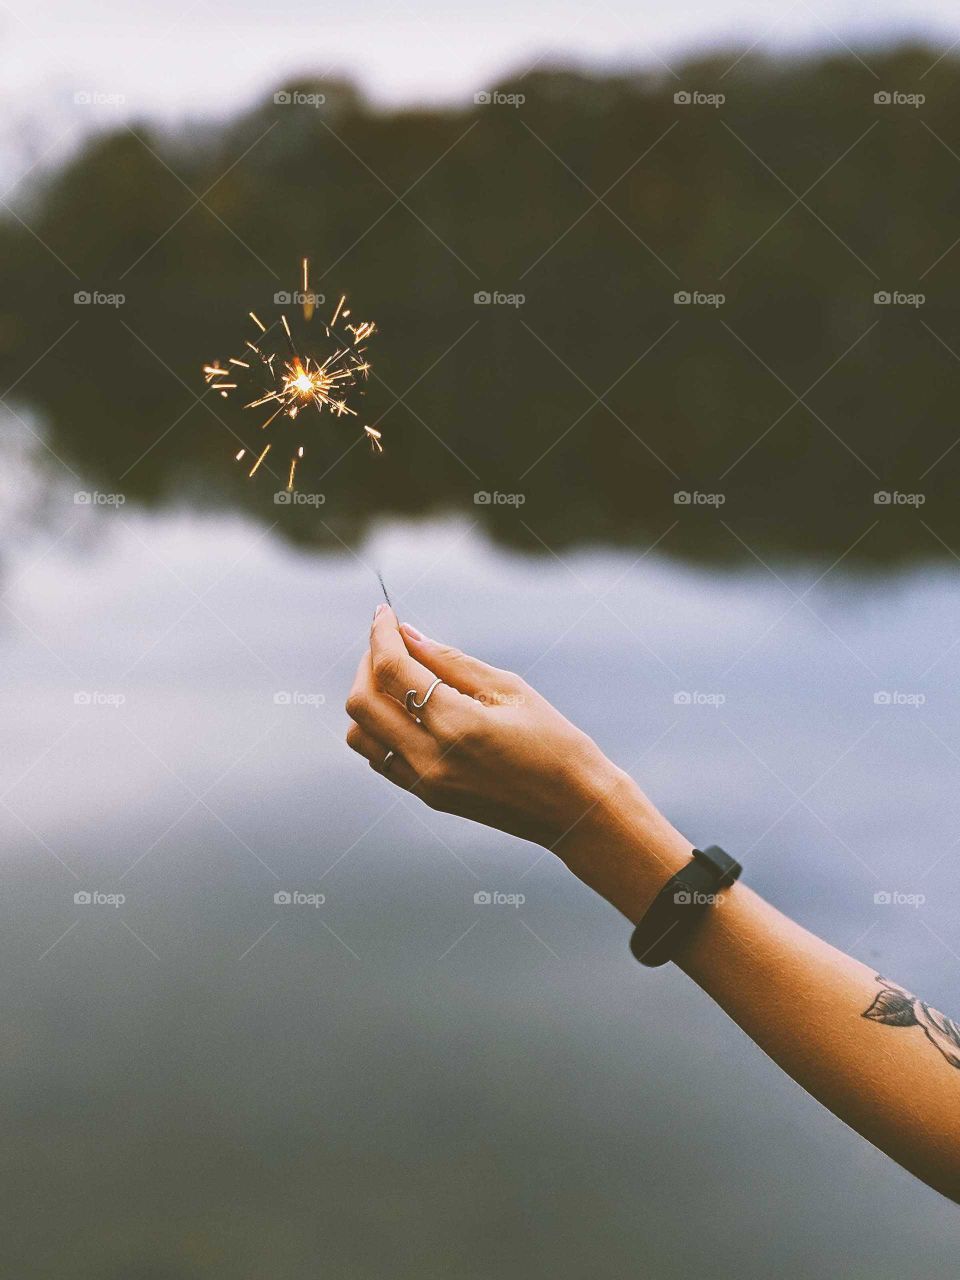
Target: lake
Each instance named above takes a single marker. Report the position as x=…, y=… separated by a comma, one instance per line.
x=203, y=1082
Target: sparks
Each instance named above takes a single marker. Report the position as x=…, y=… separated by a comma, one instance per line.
x=374, y=437
x=292, y=381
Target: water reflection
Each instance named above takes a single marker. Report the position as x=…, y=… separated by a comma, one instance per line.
x=609, y=384
x=202, y=1082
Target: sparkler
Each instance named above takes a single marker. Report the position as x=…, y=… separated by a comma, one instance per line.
x=288, y=375
x=289, y=380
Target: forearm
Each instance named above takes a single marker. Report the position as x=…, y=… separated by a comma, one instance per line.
x=885, y=1064
x=490, y=748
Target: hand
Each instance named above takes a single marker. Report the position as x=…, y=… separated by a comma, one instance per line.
x=488, y=747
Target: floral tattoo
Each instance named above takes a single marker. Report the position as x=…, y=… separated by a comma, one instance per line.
x=896, y=1007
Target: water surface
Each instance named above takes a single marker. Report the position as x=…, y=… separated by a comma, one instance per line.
x=203, y=1083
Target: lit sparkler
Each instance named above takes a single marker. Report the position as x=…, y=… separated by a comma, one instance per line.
x=294, y=376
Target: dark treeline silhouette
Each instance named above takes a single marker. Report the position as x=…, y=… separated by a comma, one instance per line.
x=599, y=397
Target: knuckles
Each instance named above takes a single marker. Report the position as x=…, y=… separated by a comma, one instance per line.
x=355, y=705
x=386, y=669
x=465, y=740
x=433, y=779
x=450, y=655
x=431, y=787
x=464, y=734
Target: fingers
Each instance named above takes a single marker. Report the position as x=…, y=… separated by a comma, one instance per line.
x=471, y=676
x=396, y=671
x=381, y=717
x=397, y=769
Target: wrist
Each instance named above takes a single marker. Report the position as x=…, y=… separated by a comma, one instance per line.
x=623, y=847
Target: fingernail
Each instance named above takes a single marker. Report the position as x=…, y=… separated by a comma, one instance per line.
x=378, y=610
x=413, y=633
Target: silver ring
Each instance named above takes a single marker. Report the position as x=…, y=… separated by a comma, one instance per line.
x=386, y=761
x=411, y=703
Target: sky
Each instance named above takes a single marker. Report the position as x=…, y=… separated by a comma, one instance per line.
x=180, y=61
x=189, y=57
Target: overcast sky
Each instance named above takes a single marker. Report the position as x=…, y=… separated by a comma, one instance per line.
x=186, y=57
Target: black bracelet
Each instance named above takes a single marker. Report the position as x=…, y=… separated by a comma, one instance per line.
x=681, y=902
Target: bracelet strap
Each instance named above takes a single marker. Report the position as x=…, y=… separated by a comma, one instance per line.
x=680, y=904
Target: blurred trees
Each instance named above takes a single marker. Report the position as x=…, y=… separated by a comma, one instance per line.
x=599, y=397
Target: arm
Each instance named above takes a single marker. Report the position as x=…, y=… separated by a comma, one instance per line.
x=488, y=747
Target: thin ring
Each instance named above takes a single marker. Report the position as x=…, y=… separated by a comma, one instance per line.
x=386, y=761
x=411, y=703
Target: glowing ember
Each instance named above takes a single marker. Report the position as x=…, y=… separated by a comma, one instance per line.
x=291, y=385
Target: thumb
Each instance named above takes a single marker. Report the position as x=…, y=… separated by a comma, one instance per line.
x=471, y=676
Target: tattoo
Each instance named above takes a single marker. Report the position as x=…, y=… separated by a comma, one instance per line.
x=896, y=1007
